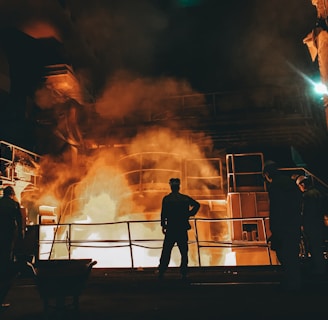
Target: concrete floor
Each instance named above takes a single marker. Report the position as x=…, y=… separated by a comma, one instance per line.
x=209, y=293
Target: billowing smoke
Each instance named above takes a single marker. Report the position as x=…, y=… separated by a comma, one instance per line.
x=115, y=36
x=125, y=51
x=47, y=98
x=126, y=94
x=132, y=54
x=100, y=176
x=165, y=140
x=38, y=18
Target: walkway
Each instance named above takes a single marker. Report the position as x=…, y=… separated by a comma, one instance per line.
x=210, y=293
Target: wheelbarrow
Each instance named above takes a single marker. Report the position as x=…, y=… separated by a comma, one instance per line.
x=61, y=282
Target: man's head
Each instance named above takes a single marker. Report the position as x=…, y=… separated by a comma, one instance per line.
x=8, y=192
x=175, y=184
x=303, y=182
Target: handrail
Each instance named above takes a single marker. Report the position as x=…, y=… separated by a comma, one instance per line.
x=129, y=241
x=307, y=173
x=18, y=164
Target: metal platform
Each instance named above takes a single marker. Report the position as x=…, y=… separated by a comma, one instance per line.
x=209, y=293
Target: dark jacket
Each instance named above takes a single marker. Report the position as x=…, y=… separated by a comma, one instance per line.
x=313, y=207
x=10, y=220
x=176, y=210
x=285, y=204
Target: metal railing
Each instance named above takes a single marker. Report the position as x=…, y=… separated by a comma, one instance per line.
x=138, y=243
x=316, y=181
x=289, y=100
x=18, y=164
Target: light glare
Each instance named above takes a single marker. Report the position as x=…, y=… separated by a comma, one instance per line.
x=320, y=88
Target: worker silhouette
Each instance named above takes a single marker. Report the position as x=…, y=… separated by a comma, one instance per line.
x=11, y=233
x=175, y=213
x=313, y=210
x=285, y=223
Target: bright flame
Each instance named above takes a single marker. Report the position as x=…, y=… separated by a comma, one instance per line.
x=105, y=211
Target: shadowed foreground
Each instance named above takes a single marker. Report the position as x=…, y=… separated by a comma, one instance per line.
x=209, y=293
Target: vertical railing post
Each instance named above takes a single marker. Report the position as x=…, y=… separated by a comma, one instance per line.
x=130, y=245
x=266, y=240
x=196, y=236
x=38, y=240
x=69, y=240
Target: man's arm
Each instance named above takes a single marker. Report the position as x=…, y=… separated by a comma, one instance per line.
x=163, y=216
x=19, y=221
x=195, y=205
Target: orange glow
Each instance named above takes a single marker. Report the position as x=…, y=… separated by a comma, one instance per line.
x=40, y=29
x=105, y=194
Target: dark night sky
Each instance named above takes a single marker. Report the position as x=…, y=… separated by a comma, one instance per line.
x=211, y=44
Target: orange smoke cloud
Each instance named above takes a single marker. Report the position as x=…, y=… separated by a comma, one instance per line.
x=164, y=140
x=47, y=98
x=100, y=184
x=124, y=94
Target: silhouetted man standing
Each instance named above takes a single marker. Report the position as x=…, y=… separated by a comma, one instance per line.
x=175, y=213
x=285, y=223
x=10, y=232
x=313, y=210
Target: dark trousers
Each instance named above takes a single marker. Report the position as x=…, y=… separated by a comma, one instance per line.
x=315, y=240
x=287, y=250
x=5, y=285
x=181, y=239
x=7, y=271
